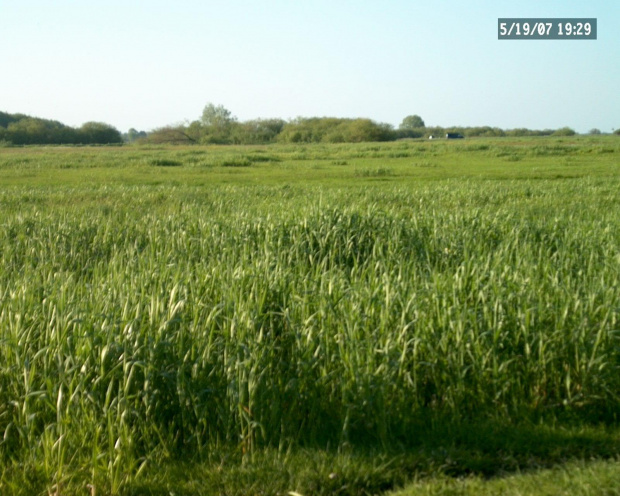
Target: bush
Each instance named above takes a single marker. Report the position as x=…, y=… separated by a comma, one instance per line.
x=162, y=162
x=334, y=130
x=236, y=162
x=20, y=129
x=564, y=131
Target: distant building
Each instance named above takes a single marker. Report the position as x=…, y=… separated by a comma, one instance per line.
x=454, y=136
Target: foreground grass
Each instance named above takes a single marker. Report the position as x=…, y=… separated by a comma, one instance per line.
x=466, y=459
x=321, y=319
x=595, y=478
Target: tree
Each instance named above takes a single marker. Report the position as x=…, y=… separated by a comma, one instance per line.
x=257, y=131
x=28, y=131
x=134, y=135
x=412, y=122
x=35, y=131
x=217, y=123
x=617, y=132
x=595, y=131
x=99, y=133
x=359, y=130
x=216, y=115
x=6, y=119
x=176, y=135
x=334, y=130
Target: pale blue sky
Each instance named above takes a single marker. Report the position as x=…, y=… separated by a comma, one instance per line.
x=146, y=64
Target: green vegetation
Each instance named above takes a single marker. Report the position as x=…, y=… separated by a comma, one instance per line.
x=19, y=129
x=217, y=125
x=333, y=130
x=412, y=122
x=565, y=131
x=329, y=318
x=576, y=478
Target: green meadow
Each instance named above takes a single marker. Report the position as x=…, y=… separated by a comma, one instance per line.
x=412, y=317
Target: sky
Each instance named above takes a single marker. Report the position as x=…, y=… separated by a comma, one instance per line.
x=146, y=64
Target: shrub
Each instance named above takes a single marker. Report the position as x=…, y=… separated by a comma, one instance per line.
x=564, y=131
x=163, y=162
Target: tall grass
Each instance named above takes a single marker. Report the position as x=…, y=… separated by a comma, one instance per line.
x=157, y=323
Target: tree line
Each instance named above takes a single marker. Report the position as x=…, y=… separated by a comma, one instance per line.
x=217, y=125
x=21, y=129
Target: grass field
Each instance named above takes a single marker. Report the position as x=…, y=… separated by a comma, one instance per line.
x=328, y=319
